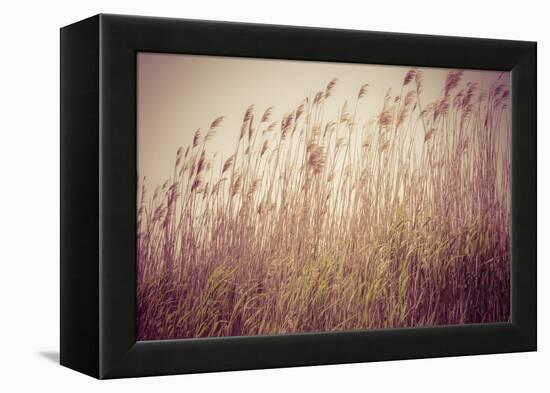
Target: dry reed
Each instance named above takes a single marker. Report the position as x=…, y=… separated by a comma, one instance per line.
x=316, y=224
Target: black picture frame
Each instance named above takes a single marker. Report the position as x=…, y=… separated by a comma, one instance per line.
x=98, y=195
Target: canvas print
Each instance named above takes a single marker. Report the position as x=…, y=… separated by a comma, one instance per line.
x=280, y=197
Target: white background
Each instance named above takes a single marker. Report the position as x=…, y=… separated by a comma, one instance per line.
x=29, y=195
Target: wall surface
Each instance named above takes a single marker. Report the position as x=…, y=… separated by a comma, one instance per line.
x=29, y=169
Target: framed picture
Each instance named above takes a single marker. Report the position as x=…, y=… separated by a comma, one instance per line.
x=239, y=196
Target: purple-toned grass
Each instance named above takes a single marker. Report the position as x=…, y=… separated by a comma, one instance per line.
x=317, y=224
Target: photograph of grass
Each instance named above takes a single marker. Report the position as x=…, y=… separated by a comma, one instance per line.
x=279, y=196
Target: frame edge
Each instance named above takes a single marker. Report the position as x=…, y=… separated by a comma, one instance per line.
x=79, y=148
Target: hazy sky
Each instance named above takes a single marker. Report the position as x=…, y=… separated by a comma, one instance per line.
x=179, y=93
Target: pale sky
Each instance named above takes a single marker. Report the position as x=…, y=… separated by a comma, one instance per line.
x=179, y=93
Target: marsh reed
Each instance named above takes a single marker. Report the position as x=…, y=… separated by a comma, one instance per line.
x=322, y=224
